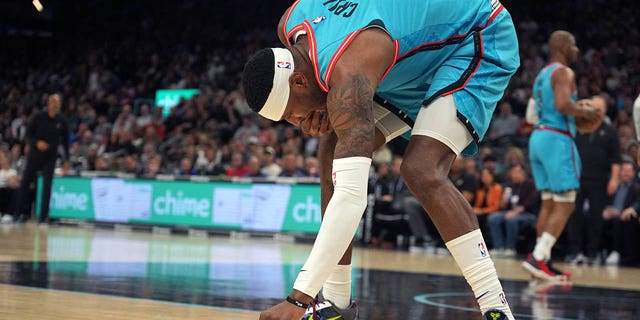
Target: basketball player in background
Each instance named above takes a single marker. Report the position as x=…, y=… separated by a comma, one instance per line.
x=439, y=66
x=555, y=162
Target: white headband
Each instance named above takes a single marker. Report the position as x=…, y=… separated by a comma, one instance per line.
x=279, y=96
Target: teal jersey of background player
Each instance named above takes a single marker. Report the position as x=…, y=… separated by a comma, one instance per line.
x=439, y=46
x=543, y=94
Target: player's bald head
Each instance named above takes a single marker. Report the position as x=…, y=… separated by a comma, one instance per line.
x=559, y=39
x=563, y=43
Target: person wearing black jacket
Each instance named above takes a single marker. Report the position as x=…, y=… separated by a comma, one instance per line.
x=520, y=203
x=46, y=131
x=600, y=154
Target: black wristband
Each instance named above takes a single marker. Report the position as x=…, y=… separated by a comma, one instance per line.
x=297, y=303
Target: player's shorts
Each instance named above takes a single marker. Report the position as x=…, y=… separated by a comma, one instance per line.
x=555, y=162
x=439, y=121
x=477, y=74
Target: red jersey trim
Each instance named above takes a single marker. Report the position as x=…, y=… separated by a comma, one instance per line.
x=286, y=20
x=313, y=54
x=494, y=15
x=396, y=47
x=336, y=56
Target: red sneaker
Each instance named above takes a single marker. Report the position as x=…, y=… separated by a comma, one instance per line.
x=540, y=269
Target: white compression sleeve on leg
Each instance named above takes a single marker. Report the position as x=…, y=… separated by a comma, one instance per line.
x=337, y=288
x=470, y=253
x=341, y=219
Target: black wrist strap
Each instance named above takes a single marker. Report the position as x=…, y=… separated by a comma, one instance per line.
x=297, y=303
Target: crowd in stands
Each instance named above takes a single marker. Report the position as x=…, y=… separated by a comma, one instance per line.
x=108, y=70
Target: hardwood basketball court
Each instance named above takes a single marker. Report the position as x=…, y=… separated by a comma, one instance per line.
x=70, y=272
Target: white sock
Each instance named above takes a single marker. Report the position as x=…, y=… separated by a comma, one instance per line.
x=337, y=288
x=542, y=250
x=538, y=251
x=472, y=256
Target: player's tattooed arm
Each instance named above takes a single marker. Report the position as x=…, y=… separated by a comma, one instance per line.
x=350, y=107
x=352, y=86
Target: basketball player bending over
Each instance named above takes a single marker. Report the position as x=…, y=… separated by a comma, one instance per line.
x=366, y=72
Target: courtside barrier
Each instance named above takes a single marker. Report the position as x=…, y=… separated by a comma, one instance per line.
x=282, y=205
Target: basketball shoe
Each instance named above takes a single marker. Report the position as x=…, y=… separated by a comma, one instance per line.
x=541, y=269
x=321, y=309
x=562, y=275
x=494, y=315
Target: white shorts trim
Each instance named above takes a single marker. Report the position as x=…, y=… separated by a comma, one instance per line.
x=440, y=121
x=388, y=123
x=546, y=195
x=567, y=196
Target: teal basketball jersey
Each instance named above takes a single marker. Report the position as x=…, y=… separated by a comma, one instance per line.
x=465, y=48
x=543, y=94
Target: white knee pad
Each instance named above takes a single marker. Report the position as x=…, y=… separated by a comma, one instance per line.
x=440, y=121
x=567, y=196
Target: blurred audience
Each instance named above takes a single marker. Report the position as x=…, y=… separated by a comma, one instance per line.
x=253, y=168
x=466, y=183
x=9, y=184
x=290, y=166
x=621, y=216
x=237, y=167
x=270, y=167
x=109, y=76
x=519, y=206
x=487, y=200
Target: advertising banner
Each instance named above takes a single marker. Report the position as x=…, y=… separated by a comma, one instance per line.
x=226, y=205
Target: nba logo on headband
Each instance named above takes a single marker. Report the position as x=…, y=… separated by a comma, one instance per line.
x=283, y=64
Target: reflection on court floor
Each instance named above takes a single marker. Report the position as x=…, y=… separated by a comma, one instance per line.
x=253, y=274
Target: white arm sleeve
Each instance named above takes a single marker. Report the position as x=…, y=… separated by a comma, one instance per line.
x=341, y=219
x=636, y=116
x=532, y=113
